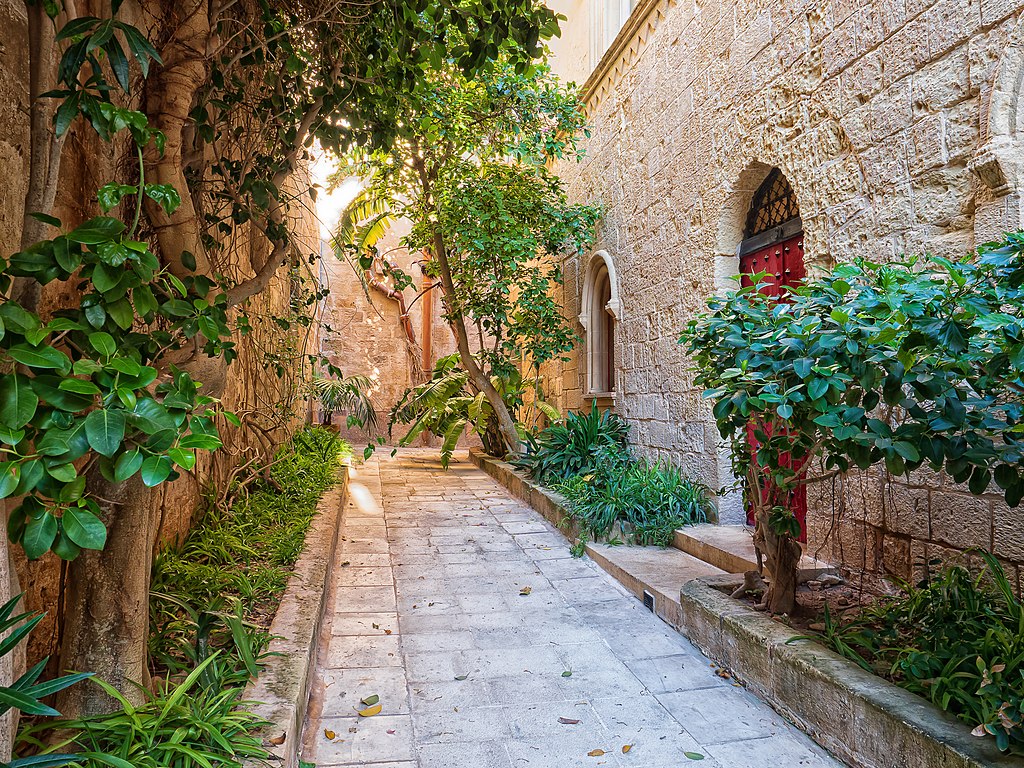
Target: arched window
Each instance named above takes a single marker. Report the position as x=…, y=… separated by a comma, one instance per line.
x=600, y=311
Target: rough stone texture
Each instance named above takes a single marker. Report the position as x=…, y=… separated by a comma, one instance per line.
x=863, y=719
x=470, y=672
x=897, y=124
x=253, y=386
x=282, y=690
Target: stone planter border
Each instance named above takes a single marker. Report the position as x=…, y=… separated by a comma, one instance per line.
x=862, y=718
x=281, y=692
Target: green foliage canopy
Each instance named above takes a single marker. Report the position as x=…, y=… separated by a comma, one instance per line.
x=913, y=363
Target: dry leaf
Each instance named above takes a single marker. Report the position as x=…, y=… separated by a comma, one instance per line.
x=391, y=731
x=346, y=564
x=278, y=740
x=369, y=701
x=329, y=734
x=387, y=631
x=595, y=753
x=370, y=711
x=525, y=590
x=568, y=721
x=375, y=626
x=723, y=673
x=626, y=748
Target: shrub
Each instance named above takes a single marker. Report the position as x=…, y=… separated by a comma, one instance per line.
x=180, y=726
x=654, y=499
x=235, y=563
x=955, y=639
x=578, y=445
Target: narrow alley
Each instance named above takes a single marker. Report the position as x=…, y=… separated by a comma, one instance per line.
x=489, y=646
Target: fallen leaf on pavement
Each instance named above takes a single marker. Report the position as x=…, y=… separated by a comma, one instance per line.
x=568, y=721
x=329, y=734
x=369, y=701
x=595, y=753
x=278, y=740
x=461, y=677
x=694, y=755
x=567, y=673
x=626, y=748
x=391, y=731
x=370, y=711
x=525, y=591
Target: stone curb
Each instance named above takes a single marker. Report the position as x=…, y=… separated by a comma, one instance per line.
x=281, y=692
x=865, y=720
x=861, y=718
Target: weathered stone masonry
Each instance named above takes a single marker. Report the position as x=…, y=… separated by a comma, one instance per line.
x=895, y=121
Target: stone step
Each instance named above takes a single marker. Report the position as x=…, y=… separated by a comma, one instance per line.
x=660, y=572
x=731, y=549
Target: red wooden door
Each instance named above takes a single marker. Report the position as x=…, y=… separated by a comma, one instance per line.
x=784, y=263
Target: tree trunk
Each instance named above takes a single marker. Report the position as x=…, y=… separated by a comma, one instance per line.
x=506, y=424
x=782, y=555
x=106, y=610
x=12, y=666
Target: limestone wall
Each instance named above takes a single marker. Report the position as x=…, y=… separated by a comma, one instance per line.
x=895, y=121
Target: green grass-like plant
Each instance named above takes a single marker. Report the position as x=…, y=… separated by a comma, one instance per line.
x=579, y=444
x=956, y=639
x=235, y=563
x=653, y=499
x=186, y=725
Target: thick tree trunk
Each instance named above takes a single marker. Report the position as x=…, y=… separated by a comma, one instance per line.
x=107, y=604
x=782, y=555
x=12, y=666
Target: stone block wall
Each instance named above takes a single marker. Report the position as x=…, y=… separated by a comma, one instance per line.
x=896, y=123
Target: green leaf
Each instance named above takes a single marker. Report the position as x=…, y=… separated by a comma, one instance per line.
x=40, y=357
x=103, y=343
x=127, y=464
x=97, y=230
x=10, y=474
x=39, y=535
x=104, y=428
x=203, y=442
x=18, y=402
x=155, y=470
x=110, y=195
x=166, y=196
x=694, y=755
x=183, y=458
x=84, y=528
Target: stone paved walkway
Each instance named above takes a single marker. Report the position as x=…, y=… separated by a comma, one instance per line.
x=429, y=614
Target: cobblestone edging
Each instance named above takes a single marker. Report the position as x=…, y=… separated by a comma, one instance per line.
x=282, y=690
x=856, y=715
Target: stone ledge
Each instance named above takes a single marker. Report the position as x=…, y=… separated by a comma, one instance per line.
x=861, y=718
x=655, y=570
x=282, y=690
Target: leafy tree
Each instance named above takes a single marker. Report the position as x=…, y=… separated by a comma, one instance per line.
x=469, y=172
x=102, y=400
x=914, y=363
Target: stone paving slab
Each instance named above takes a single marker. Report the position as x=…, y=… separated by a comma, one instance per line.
x=462, y=609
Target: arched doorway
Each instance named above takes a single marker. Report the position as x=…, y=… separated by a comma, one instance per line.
x=773, y=238
x=773, y=244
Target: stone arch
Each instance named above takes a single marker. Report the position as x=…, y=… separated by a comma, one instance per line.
x=599, y=314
